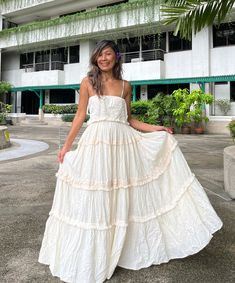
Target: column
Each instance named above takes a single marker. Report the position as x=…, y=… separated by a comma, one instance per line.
x=201, y=53
x=18, y=101
x=86, y=48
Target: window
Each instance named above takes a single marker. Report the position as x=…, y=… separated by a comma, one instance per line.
x=26, y=60
x=151, y=45
x=74, y=54
x=224, y=34
x=232, y=91
x=62, y=96
x=130, y=47
x=59, y=57
x=221, y=83
x=178, y=44
x=42, y=60
x=129, y=44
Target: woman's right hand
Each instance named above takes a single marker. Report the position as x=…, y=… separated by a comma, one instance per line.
x=61, y=154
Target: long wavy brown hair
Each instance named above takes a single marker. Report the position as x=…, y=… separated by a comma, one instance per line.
x=95, y=73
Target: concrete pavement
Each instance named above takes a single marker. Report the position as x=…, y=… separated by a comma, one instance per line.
x=26, y=191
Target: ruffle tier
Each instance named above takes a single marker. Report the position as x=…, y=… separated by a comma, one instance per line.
x=126, y=199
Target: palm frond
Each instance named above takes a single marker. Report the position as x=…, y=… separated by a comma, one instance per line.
x=194, y=15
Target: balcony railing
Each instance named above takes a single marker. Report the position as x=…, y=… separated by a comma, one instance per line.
x=44, y=66
x=145, y=55
x=10, y=6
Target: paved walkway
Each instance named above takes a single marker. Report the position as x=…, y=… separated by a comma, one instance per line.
x=26, y=192
x=21, y=148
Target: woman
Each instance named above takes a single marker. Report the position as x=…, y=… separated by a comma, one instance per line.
x=123, y=197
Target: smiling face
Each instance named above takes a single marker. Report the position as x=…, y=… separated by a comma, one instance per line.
x=106, y=59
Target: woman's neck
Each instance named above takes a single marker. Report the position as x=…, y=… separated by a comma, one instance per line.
x=107, y=76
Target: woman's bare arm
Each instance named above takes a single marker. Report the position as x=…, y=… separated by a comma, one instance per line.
x=137, y=124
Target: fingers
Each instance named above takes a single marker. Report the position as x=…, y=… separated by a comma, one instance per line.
x=60, y=157
x=168, y=130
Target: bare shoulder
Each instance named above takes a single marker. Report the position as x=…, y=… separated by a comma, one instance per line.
x=85, y=82
x=86, y=85
x=127, y=88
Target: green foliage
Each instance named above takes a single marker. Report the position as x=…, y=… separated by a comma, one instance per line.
x=194, y=15
x=157, y=111
x=224, y=105
x=70, y=117
x=165, y=105
x=189, y=106
x=4, y=110
x=231, y=127
x=182, y=107
x=4, y=87
x=79, y=17
x=143, y=111
x=60, y=109
x=140, y=107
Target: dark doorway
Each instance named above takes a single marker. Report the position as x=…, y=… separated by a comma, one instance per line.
x=29, y=102
x=153, y=90
x=60, y=96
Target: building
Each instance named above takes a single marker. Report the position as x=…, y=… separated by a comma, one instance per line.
x=45, y=46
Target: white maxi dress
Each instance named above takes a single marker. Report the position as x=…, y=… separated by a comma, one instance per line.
x=123, y=198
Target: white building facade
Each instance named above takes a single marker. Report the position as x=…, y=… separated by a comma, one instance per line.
x=45, y=47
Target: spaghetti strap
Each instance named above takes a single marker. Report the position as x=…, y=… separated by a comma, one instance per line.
x=123, y=83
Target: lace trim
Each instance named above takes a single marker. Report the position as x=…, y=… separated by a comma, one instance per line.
x=116, y=184
x=102, y=226
x=95, y=142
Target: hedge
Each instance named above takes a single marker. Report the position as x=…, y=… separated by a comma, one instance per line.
x=60, y=109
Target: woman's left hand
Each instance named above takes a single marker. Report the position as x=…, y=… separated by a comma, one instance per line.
x=162, y=128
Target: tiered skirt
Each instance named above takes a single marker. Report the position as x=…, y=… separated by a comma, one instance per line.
x=124, y=198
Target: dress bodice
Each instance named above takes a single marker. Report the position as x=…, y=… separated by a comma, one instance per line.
x=107, y=108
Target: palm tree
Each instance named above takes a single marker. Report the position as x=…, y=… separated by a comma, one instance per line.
x=194, y=15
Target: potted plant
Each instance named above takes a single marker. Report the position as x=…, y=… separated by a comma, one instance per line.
x=168, y=105
x=4, y=110
x=181, y=110
x=197, y=113
x=190, y=108
x=231, y=127
x=164, y=105
x=4, y=88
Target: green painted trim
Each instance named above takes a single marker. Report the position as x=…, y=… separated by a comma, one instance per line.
x=35, y=88
x=41, y=99
x=202, y=86
x=134, y=92
x=197, y=80
x=36, y=92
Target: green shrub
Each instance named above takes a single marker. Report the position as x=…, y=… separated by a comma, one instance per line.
x=143, y=110
x=70, y=117
x=140, y=107
x=60, y=109
x=231, y=127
